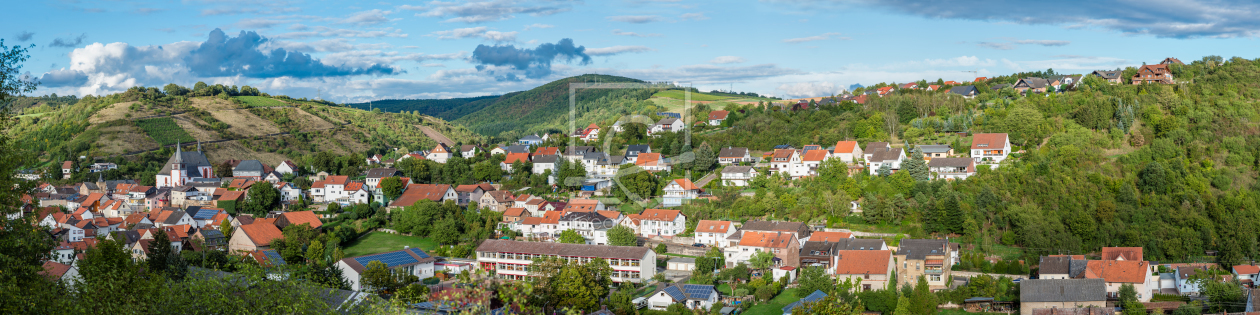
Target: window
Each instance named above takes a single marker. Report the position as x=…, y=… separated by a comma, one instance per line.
x=936, y=278
x=866, y=287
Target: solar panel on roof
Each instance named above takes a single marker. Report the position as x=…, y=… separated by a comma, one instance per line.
x=392, y=259
x=419, y=252
x=274, y=257
x=205, y=214
x=675, y=293
x=698, y=291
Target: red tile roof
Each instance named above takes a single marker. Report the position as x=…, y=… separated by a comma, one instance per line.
x=1119, y=253
x=814, y=156
x=718, y=114
x=300, y=217
x=261, y=233
x=710, y=226
x=609, y=214
x=1246, y=269
x=546, y=151
x=232, y=195
x=659, y=214
x=766, y=239
x=648, y=159
x=532, y=221
x=514, y=157
x=54, y=270
x=514, y=212
x=988, y=140
x=863, y=262
x=829, y=236
x=686, y=184
x=416, y=192
x=845, y=146
x=552, y=217
x=354, y=186
x=1117, y=271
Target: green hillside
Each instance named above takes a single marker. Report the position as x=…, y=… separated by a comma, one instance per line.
x=546, y=108
x=448, y=109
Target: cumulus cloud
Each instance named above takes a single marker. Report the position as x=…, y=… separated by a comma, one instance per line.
x=370, y=17
x=23, y=36
x=633, y=34
x=824, y=36
x=727, y=59
x=477, y=32
x=1174, y=19
x=488, y=11
x=535, y=63
x=68, y=42
x=221, y=55
x=608, y=51
x=809, y=89
x=636, y=19
x=63, y=77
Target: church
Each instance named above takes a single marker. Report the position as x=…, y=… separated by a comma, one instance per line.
x=183, y=167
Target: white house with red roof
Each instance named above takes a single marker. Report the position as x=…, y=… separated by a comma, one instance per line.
x=716, y=117
x=678, y=190
x=441, y=153
x=847, y=151
x=714, y=233
x=662, y=222
x=809, y=163
x=990, y=148
x=590, y=133
x=330, y=189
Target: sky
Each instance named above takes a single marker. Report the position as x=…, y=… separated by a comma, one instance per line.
x=352, y=51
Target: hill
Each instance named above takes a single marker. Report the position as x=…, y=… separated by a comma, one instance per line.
x=546, y=108
x=448, y=109
x=266, y=128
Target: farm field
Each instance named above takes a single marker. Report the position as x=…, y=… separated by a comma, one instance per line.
x=260, y=101
x=164, y=130
x=380, y=242
x=695, y=96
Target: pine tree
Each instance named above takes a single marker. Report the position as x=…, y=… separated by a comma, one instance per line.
x=159, y=251
x=916, y=166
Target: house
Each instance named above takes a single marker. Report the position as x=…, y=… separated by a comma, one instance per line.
x=544, y=163
x=734, y=156
x=661, y=222
x=1109, y=76
x=1116, y=273
x=576, y=153
x=870, y=269
x=822, y=253
x=510, y=149
x=330, y=189
x=1035, y=85
x=930, y=258
x=286, y=167
x=515, y=215
x=251, y=169
x=809, y=163
x=716, y=117
x=468, y=151
x=441, y=153
x=590, y=133
x=738, y=176
x=811, y=298
x=513, y=158
x=652, y=162
x=679, y=190
x=1159, y=74
x=967, y=91
x=67, y=168
x=909, y=86
x=847, y=151
x=408, y=261
x=931, y=151
x=798, y=229
x=375, y=175
x=990, y=148
x=714, y=233
x=356, y=193
x=633, y=151
x=879, y=158
x=165, y=218
x=1247, y=274
x=1122, y=253
x=1186, y=280
x=499, y=199
x=591, y=225
x=298, y=218
x=210, y=239
x=980, y=79
x=785, y=246
x=58, y=272
x=183, y=167
x=667, y=125
x=433, y=192
x=469, y=193
x=681, y=264
x=1035, y=294
x=252, y=237
x=529, y=140
x=884, y=90
x=289, y=192
x=952, y=168
x=692, y=296
x=510, y=260
x=781, y=160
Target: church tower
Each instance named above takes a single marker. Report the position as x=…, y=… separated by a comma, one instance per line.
x=177, y=168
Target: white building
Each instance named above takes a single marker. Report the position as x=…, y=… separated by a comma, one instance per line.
x=847, y=151
x=891, y=157
x=693, y=296
x=441, y=153
x=738, y=176
x=591, y=225
x=661, y=222
x=990, y=148
x=952, y=168
x=667, y=125
x=183, y=167
x=330, y=189
x=714, y=233
x=678, y=190
x=410, y=261
x=511, y=259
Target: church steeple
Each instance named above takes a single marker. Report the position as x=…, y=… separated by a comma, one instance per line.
x=179, y=157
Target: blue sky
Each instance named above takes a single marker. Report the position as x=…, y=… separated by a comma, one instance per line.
x=350, y=51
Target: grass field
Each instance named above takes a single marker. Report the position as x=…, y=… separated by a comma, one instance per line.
x=775, y=306
x=164, y=130
x=260, y=101
x=695, y=96
x=380, y=242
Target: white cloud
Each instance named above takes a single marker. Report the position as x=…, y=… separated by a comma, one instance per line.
x=633, y=34
x=323, y=31
x=607, y=51
x=492, y=10
x=477, y=32
x=694, y=16
x=370, y=17
x=636, y=19
x=727, y=59
x=537, y=25
x=809, y=89
x=1043, y=42
x=824, y=36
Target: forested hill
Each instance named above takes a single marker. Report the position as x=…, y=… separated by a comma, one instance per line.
x=447, y=109
x=546, y=108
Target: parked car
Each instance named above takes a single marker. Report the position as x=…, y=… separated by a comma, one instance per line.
x=697, y=245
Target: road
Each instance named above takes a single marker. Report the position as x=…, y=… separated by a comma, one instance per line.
x=705, y=180
x=437, y=136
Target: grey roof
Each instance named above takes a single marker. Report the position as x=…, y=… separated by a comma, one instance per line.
x=91, y=186
x=192, y=161
x=531, y=138
x=830, y=248
x=584, y=217
x=612, y=160
x=918, y=249
x=579, y=150
x=871, y=147
x=886, y=155
x=1055, y=265
x=516, y=149
x=1114, y=74
x=546, y=159
x=731, y=152
x=684, y=260
x=667, y=121
x=113, y=184
x=1035, y=83
x=1062, y=290
x=382, y=172
x=249, y=166
x=736, y=169
x=635, y=149
x=965, y=90
x=582, y=250
x=996, y=87
x=950, y=162
x=801, y=229
x=1077, y=267
x=175, y=216
x=934, y=148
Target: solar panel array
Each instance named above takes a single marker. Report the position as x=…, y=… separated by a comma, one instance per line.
x=274, y=257
x=205, y=214
x=697, y=291
x=390, y=260
x=675, y=293
x=419, y=252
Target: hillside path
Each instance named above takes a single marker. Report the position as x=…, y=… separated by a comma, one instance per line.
x=705, y=180
x=436, y=136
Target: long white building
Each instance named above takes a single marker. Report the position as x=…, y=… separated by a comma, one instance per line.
x=511, y=259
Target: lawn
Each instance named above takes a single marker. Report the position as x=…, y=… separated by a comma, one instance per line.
x=380, y=242
x=260, y=101
x=680, y=255
x=165, y=131
x=775, y=306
